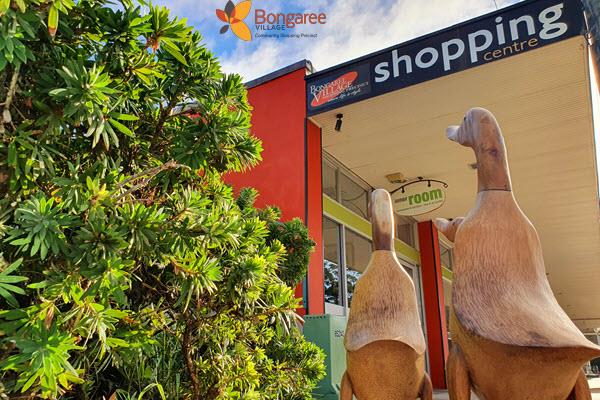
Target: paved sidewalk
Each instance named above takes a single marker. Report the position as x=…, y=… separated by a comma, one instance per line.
x=594, y=388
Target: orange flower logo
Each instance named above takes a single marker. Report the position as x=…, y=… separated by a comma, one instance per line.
x=233, y=16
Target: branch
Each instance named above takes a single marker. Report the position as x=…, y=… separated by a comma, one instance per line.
x=149, y=173
x=189, y=362
x=164, y=114
x=6, y=117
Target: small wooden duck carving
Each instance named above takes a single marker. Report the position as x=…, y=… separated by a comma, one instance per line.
x=384, y=342
x=511, y=339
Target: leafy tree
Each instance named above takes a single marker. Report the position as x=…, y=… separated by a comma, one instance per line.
x=128, y=269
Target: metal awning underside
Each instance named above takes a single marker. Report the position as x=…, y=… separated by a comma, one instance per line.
x=542, y=101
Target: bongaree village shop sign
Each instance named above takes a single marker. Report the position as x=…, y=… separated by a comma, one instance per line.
x=508, y=32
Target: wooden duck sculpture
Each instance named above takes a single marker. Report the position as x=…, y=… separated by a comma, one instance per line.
x=384, y=342
x=510, y=338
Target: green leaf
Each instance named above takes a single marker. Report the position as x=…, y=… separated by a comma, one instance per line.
x=21, y=5
x=12, y=154
x=10, y=299
x=12, y=288
x=173, y=50
x=20, y=53
x=116, y=313
x=52, y=20
x=12, y=267
x=21, y=242
x=116, y=342
x=37, y=241
x=31, y=380
x=143, y=77
x=4, y=4
x=44, y=250
x=9, y=45
x=126, y=117
x=158, y=387
x=57, y=92
x=38, y=285
x=122, y=128
x=12, y=279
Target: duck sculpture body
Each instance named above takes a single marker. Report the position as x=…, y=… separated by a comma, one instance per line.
x=510, y=337
x=384, y=341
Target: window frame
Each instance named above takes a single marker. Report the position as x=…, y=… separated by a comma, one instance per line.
x=340, y=261
x=339, y=169
x=342, y=309
x=445, y=244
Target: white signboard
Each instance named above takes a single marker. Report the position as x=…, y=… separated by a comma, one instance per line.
x=419, y=198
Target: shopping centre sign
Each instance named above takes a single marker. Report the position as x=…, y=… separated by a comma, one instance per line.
x=508, y=32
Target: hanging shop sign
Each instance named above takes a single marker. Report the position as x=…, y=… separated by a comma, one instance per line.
x=511, y=31
x=419, y=197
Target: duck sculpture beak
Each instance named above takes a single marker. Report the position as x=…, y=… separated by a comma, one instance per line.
x=452, y=133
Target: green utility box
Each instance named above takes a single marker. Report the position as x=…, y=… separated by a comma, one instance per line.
x=327, y=332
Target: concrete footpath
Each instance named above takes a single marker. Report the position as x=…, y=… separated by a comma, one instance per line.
x=594, y=388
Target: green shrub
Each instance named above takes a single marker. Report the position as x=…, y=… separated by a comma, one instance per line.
x=128, y=269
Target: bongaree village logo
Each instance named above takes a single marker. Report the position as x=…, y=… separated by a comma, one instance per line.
x=267, y=24
x=234, y=15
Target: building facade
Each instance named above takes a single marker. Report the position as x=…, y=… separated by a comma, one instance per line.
x=332, y=136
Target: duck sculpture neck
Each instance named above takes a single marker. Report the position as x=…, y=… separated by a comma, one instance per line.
x=480, y=131
x=490, y=153
x=382, y=220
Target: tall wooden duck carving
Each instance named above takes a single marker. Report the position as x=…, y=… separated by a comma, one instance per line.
x=384, y=342
x=511, y=339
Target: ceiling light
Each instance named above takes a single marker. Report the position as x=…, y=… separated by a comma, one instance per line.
x=396, y=177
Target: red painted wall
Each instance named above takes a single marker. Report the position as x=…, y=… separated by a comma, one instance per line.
x=433, y=297
x=316, y=290
x=278, y=120
x=284, y=177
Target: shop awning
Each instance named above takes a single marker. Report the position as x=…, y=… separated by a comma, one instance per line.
x=542, y=100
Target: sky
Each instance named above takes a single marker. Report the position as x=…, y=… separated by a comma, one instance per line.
x=353, y=28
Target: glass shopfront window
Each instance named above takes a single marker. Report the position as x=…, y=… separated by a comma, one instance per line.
x=346, y=252
x=404, y=229
x=353, y=196
x=447, y=260
x=349, y=191
x=344, y=189
x=346, y=255
x=331, y=262
x=330, y=180
x=358, y=253
x=447, y=287
x=446, y=255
